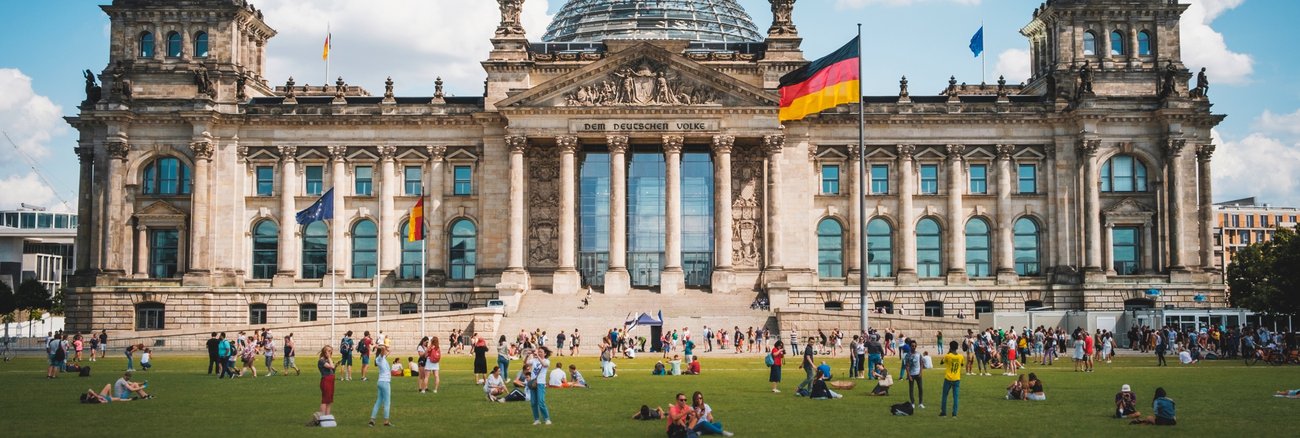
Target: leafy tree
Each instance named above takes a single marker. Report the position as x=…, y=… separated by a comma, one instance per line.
x=8, y=302
x=1262, y=276
x=32, y=295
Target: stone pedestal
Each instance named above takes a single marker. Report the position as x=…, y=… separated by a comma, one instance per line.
x=1008, y=277
x=1094, y=275
x=907, y=278
x=617, y=282
x=723, y=281
x=566, y=282
x=956, y=276
x=672, y=281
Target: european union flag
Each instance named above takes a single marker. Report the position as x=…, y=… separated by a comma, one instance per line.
x=977, y=42
x=320, y=210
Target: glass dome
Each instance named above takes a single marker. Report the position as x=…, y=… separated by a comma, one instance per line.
x=701, y=21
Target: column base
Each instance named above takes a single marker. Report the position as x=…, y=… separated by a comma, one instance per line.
x=196, y=278
x=1180, y=275
x=566, y=281
x=283, y=279
x=511, y=294
x=1093, y=274
x=672, y=281
x=956, y=276
x=723, y=281
x=906, y=277
x=772, y=274
x=516, y=277
x=1008, y=277
x=617, y=282
x=853, y=277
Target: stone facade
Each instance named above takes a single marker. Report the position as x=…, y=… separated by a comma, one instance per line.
x=194, y=167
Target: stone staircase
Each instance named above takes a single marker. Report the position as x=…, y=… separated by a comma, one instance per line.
x=692, y=308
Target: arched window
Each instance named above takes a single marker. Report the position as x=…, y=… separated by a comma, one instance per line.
x=411, y=253
x=884, y=306
x=982, y=307
x=166, y=176
x=830, y=249
x=173, y=45
x=1117, y=43
x=1089, y=43
x=934, y=308
x=307, y=312
x=463, y=245
x=1033, y=304
x=358, y=310
x=201, y=45
x=1123, y=173
x=315, y=250
x=146, y=45
x=257, y=313
x=1026, y=247
x=1144, y=43
x=880, y=248
x=266, y=240
x=408, y=309
x=978, y=252
x=929, y=256
x=365, y=249
x=150, y=316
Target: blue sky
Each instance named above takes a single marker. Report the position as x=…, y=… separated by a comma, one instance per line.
x=45, y=45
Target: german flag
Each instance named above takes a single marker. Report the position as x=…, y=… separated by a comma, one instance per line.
x=415, y=226
x=822, y=84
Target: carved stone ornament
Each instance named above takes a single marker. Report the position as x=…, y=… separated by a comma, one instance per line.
x=289, y=90
x=338, y=153
x=202, y=149
x=241, y=83
x=517, y=143
x=116, y=149
x=905, y=151
x=617, y=143
x=387, y=152
x=567, y=144
x=543, y=208
x=747, y=209
x=673, y=144
x=388, y=88
x=242, y=152
x=773, y=144
x=1204, y=151
x=722, y=144
x=1174, y=146
x=782, y=18
x=1005, y=150
x=642, y=83
x=287, y=152
x=85, y=154
x=955, y=151
x=510, y=23
x=436, y=153
x=1089, y=148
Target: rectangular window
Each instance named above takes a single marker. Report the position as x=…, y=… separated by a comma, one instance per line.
x=364, y=180
x=929, y=179
x=265, y=180
x=879, y=179
x=463, y=181
x=979, y=181
x=257, y=314
x=830, y=180
x=1126, y=247
x=1236, y=221
x=315, y=180
x=414, y=182
x=1028, y=178
x=358, y=310
x=1263, y=221
x=307, y=312
x=163, y=253
x=150, y=316
x=1250, y=221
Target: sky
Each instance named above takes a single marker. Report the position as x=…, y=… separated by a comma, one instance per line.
x=45, y=45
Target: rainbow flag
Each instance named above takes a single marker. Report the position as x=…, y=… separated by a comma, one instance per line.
x=415, y=227
x=822, y=84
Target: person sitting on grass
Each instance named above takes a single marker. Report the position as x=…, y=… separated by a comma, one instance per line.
x=819, y=389
x=1016, y=391
x=1126, y=403
x=694, y=367
x=659, y=369
x=705, y=424
x=675, y=365
x=646, y=414
x=410, y=369
x=884, y=380
x=123, y=388
x=494, y=386
x=575, y=378
x=1294, y=393
x=146, y=359
x=1185, y=357
x=1034, y=391
x=1164, y=411
x=556, y=377
x=396, y=367
x=103, y=396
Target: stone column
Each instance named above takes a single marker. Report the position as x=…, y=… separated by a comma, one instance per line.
x=389, y=248
x=672, y=280
x=1006, y=268
x=956, y=216
x=288, y=213
x=855, y=225
x=1174, y=149
x=566, y=279
x=142, y=251
x=85, y=203
x=113, y=255
x=723, y=274
x=1092, y=209
x=617, y=280
x=773, y=145
x=435, y=234
x=1203, y=154
x=515, y=272
x=906, y=252
x=338, y=173
x=200, y=229
x=1108, y=249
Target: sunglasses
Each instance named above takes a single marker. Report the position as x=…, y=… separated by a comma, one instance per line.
x=681, y=399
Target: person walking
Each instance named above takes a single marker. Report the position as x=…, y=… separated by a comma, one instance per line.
x=383, y=384
x=223, y=355
x=504, y=354
x=808, y=367
x=912, y=363
x=326, y=367
x=103, y=343
x=290, y=351
x=539, y=363
x=212, y=344
x=875, y=353
x=951, y=379
x=268, y=350
x=778, y=359
x=1160, y=350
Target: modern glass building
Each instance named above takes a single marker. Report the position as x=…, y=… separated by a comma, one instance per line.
x=594, y=21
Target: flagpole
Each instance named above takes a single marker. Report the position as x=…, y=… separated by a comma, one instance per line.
x=424, y=268
x=864, y=307
x=983, y=58
x=328, y=43
x=378, y=301
x=334, y=304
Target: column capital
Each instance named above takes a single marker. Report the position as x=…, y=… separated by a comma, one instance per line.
x=287, y=152
x=1089, y=147
x=1005, y=150
x=905, y=151
x=85, y=154
x=436, y=153
x=202, y=150
x=517, y=143
x=955, y=151
x=773, y=144
x=117, y=150
x=337, y=153
x=722, y=144
x=387, y=152
x=1174, y=147
x=617, y=143
x=568, y=144
x=673, y=144
x=1204, y=151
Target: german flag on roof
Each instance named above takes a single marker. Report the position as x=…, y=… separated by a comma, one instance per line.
x=822, y=84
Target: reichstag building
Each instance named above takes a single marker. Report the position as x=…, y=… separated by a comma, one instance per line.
x=636, y=149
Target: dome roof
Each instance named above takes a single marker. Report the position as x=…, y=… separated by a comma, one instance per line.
x=708, y=21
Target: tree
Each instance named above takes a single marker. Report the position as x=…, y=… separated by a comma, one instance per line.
x=32, y=295
x=8, y=302
x=1262, y=276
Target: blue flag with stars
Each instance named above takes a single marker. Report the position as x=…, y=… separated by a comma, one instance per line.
x=977, y=42
x=320, y=210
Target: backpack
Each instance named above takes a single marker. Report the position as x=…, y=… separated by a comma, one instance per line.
x=84, y=372
x=901, y=409
x=59, y=353
x=769, y=360
x=435, y=355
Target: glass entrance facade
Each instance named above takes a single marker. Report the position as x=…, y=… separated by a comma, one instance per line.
x=163, y=253
x=593, y=218
x=697, y=216
x=646, y=201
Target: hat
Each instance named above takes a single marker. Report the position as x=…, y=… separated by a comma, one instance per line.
x=1125, y=388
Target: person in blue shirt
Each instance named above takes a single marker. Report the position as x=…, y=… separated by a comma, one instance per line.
x=1164, y=411
x=223, y=355
x=825, y=370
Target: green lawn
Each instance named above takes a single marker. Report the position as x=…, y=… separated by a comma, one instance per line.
x=1220, y=398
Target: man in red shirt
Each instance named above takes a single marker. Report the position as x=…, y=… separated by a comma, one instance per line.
x=1087, y=351
x=682, y=415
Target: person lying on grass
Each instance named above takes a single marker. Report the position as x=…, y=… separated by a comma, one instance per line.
x=646, y=414
x=1294, y=393
x=103, y=396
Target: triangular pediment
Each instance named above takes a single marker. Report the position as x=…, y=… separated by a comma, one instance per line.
x=931, y=154
x=159, y=210
x=1128, y=206
x=643, y=75
x=881, y=154
x=312, y=154
x=979, y=154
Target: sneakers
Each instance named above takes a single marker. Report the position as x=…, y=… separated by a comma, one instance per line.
x=548, y=422
x=372, y=422
x=943, y=414
x=364, y=378
x=775, y=390
x=536, y=422
x=922, y=406
x=727, y=433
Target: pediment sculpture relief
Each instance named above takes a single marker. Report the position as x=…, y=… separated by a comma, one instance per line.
x=643, y=83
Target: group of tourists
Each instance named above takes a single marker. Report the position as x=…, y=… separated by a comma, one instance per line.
x=64, y=352
x=237, y=357
x=1191, y=345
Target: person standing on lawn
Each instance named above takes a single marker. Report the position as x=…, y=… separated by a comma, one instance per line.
x=268, y=350
x=103, y=343
x=326, y=367
x=778, y=359
x=432, y=364
x=365, y=347
x=212, y=344
x=951, y=379
x=345, y=349
x=539, y=362
x=912, y=363
x=807, y=366
x=383, y=383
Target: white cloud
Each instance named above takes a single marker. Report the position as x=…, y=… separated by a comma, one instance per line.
x=28, y=118
x=1202, y=46
x=1258, y=165
x=1014, y=65
x=1284, y=123
x=413, y=41
x=856, y=4
x=28, y=188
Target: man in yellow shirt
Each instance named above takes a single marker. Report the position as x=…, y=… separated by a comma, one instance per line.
x=953, y=365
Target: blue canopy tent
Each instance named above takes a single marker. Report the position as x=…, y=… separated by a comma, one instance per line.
x=655, y=324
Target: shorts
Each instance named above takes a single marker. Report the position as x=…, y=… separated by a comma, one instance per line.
x=347, y=359
x=289, y=362
x=1165, y=421
x=124, y=396
x=365, y=359
x=53, y=362
x=430, y=366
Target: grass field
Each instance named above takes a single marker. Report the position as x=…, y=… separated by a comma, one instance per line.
x=1223, y=398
